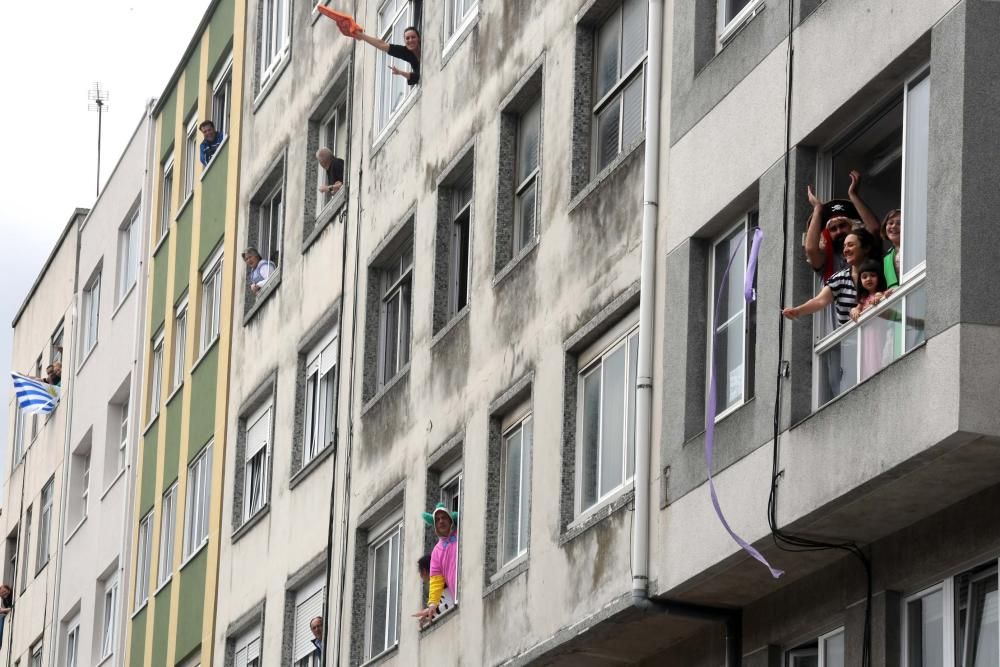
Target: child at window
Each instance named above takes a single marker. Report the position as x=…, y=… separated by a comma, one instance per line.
x=876, y=333
x=871, y=287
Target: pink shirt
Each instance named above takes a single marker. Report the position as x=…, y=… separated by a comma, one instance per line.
x=444, y=561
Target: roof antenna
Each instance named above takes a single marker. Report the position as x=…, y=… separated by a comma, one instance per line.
x=98, y=101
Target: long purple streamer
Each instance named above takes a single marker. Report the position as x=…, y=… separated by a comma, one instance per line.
x=749, y=294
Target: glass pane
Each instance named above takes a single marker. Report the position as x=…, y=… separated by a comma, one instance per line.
x=529, y=129
x=591, y=438
x=729, y=364
x=880, y=338
x=632, y=112
x=838, y=369
x=310, y=405
x=380, y=595
x=630, y=392
x=391, y=336
x=525, y=217
x=607, y=64
x=732, y=247
x=404, y=324
x=613, y=420
x=833, y=651
x=607, y=133
x=916, y=317
x=393, y=611
x=925, y=631
x=512, y=496
x=733, y=7
x=915, y=175
x=633, y=33
x=525, y=483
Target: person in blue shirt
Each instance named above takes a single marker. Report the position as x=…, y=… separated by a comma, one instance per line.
x=211, y=142
x=316, y=626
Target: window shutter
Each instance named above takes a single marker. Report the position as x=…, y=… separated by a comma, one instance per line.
x=306, y=610
x=258, y=434
x=633, y=33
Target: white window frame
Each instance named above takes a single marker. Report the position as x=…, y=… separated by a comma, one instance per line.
x=822, y=642
x=128, y=254
x=590, y=359
x=402, y=286
x=387, y=109
x=247, y=648
x=43, y=551
x=90, y=316
x=143, y=551
x=274, y=43
x=123, y=426
x=73, y=643
x=168, y=530
x=36, y=655
x=197, y=501
x=271, y=216
x=178, y=367
x=211, y=302
x=85, y=483
x=18, y=445
x=166, y=195
x=333, y=124
x=736, y=271
x=308, y=605
x=320, y=397
x=26, y=548
x=456, y=21
x=191, y=157
x=523, y=424
x=252, y=504
x=384, y=533
x=109, y=617
x=616, y=94
x=947, y=591
x=156, y=376
x=726, y=29
x=461, y=223
x=530, y=182
x=223, y=83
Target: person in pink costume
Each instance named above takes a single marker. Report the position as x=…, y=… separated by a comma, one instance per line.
x=444, y=561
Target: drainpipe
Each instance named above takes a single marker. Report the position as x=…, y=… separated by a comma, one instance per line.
x=730, y=618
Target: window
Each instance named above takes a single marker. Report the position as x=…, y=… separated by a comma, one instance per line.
x=190, y=157
x=734, y=326
x=255, y=467
x=211, y=301
x=891, y=151
x=168, y=522
x=73, y=645
x=128, y=254
x=395, y=279
x=156, y=376
x=827, y=651
x=733, y=14
x=394, y=16
x=197, y=502
x=44, y=526
x=109, y=615
x=606, y=418
x=180, y=343
x=526, y=188
x=247, y=649
x=34, y=417
x=458, y=14
x=88, y=318
x=452, y=255
x=308, y=605
x=143, y=551
x=56, y=345
x=79, y=483
x=116, y=436
x=320, y=398
x=515, y=491
x=458, y=285
x=333, y=136
x=166, y=193
x=619, y=78
x=274, y=36
x=267, y=218
x=222, y=99
x=18, y=447
x=36, y=655
x=26, y=540
x=384, y=574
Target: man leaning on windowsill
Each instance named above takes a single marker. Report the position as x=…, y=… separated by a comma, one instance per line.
x=211, y=142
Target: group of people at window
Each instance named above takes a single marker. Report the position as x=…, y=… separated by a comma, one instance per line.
x=53, y=372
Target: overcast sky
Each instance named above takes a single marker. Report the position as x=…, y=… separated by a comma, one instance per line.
x=52, y=55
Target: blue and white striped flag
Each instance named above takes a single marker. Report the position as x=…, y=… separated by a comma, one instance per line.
x=35, y=396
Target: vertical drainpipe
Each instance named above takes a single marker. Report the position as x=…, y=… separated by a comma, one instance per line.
x=647, y=306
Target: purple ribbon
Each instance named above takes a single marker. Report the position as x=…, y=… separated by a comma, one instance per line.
x=750, y=294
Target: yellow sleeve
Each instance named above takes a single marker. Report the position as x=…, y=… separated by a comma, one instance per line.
x=435, y=589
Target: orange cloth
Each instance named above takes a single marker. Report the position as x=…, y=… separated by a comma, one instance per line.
x=344, y=21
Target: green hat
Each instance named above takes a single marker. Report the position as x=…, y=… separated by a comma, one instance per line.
x=440, y=507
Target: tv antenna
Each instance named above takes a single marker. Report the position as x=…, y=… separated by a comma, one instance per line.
x=97, y=99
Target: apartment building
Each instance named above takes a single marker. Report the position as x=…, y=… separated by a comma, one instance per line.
x=87, y=619
x=185, y=363
x=45, y=331
x=283, y=425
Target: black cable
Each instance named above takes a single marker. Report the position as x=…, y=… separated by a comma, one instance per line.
x=784, y=540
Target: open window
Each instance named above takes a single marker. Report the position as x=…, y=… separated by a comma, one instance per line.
x=394, y=16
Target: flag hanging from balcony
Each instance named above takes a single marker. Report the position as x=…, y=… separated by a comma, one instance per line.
x=35, y=396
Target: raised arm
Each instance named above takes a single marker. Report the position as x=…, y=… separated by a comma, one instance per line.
x=374, y=41
x=867, y=217
x=813, y=252
x=813, y=305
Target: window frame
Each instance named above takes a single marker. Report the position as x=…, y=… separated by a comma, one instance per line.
x=265, y=208
x=337, y=117
x=179, y=361
x=271, y=59
x=243, y=643
x=128, y=254
x=73, y=643
x=109, y=617
x=26, y=548
x=85, y=482
x=35, y=659
x=90, y=317
x=191, y=158
x=946, y=589
x=197, y=498
x=388, y=530
x=250, y=509
x=223, y=82
x=156, y=375
x=168, y=529
x=17, y=447
x=401, y=286
x=455, y=25
x=43, y=550
x=166, y=195
x=405, y=14
x=528, y=183
x=143, y=560
x=315, y=408
x=460, y=248
x=304, y=609
x=123, y=429
x=523, y=423
x=727, y=27
x=211, y=308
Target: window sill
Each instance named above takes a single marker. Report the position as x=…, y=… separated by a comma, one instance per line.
x=204, y=354
x=184, y=204
x=596, y=515
x=262, y=296
x=204, y=170
x=75, y=530
x=194, y=554
x=248, y=525
x=440, y=620
x=315, y=14
x=307, y=469
x=86, y=357
x=514, y=263
x=604, y=175
x=508, y=573
x=456, y=319
x=325, y=217
x=381, y=657
x=268, y=85
x=123, y=299
x=41, y=568
x=453, y=43
x=149, y=424
x=393, y=123
x=163, y=584
x=159, y=243
x=114, y=482
x=385, y=389
x=174, y=393
x=730, y=411
x=740, y=21
x=106, y=660
x=138, y=610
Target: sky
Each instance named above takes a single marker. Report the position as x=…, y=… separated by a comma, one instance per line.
x=52, y=54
